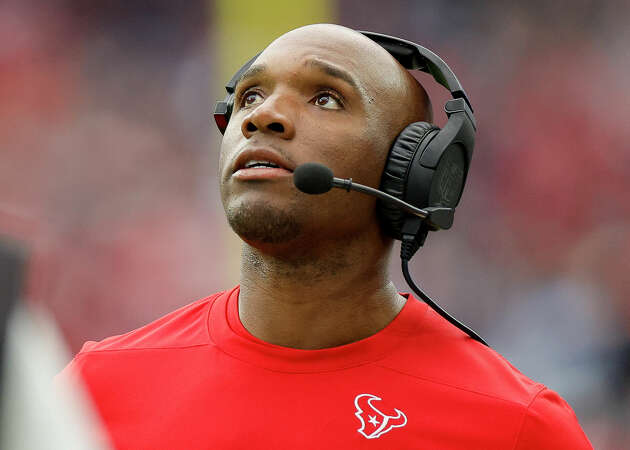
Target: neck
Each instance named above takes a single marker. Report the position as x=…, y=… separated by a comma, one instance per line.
x=323, y=297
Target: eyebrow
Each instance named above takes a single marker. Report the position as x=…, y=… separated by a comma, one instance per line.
x=251, y=73
x=322, y=66
x=334, y=72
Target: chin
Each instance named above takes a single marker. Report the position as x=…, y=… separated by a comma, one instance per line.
x=262, y=223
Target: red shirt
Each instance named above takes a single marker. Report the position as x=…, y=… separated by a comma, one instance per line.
x=196, y=379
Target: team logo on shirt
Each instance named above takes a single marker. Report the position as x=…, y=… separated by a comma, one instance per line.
x=375, y=423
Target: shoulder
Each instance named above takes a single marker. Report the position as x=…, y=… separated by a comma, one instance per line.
x=467, y=372
x=184, y=327
x=549, y=422
x=438, y=352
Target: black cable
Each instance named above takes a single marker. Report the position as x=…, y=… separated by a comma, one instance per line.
x=435, y=306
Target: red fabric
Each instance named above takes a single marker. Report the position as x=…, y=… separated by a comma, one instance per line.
x=196, y=379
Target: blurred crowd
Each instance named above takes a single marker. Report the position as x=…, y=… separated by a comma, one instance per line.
x=106, y=140
x=109, y=161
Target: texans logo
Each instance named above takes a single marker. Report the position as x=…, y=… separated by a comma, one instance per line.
x=375, y=423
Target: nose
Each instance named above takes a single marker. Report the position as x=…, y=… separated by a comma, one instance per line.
x=273, y=116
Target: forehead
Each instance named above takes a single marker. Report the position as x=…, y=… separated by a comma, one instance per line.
x=298, y=44
x=343, y=48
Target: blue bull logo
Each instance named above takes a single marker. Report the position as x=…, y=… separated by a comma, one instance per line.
x=375, y=423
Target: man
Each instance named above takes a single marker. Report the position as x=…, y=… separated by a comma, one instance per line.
x=315, y=348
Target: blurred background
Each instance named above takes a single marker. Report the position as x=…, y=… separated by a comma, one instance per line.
x=108, y=169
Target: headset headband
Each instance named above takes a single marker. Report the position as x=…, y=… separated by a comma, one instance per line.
x=416, y=57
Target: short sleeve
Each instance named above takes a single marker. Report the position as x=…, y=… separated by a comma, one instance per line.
x=550, y=423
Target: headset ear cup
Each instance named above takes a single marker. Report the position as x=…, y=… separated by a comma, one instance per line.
x=396, y=171
x=447, y=182
x=223, y=111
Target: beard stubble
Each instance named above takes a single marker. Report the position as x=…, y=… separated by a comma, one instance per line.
x=264, y=223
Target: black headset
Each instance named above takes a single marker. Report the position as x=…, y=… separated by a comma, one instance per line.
x=427, y=166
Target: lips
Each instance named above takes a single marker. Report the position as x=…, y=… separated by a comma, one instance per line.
x=261, y=163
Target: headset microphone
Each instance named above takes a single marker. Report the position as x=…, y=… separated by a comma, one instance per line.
x=314, y=178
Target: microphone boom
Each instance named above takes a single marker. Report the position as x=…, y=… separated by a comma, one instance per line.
x=348, y=185
x=315, y=178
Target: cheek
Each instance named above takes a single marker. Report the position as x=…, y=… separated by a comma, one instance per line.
x=226, y=155
x=378, y=144
x=228, y=146
x=222, y=158
x=360, y=153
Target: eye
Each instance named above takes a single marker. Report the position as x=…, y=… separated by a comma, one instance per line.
x=251, y=98
x=328, y=100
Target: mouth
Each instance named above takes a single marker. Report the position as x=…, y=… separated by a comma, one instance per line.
x=261, y=164
x=255, y=164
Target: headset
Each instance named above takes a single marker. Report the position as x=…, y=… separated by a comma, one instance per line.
x=426, y=166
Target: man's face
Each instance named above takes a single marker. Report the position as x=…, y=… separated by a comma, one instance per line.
x=315, y=94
